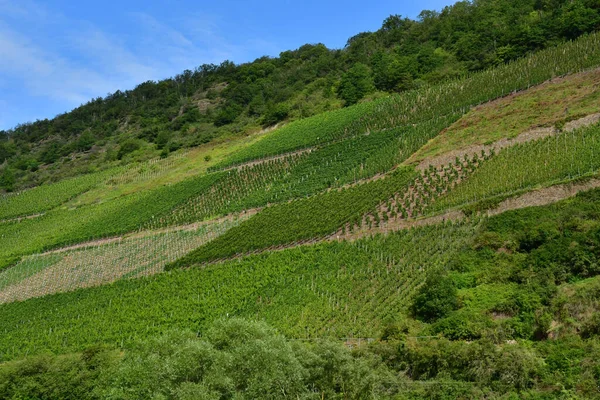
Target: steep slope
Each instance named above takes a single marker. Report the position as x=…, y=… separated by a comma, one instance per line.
x=213, y=102
x=373, y=222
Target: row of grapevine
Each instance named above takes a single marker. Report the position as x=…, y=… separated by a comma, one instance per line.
x=144, y=171
x=61, y=227
x=566, y=156
x=46, y=197
x=429, y=102
x=43, y=274
x=413, y=201
x=333, y=289
x=300, y=220
x=300, y=175
x=232, y=193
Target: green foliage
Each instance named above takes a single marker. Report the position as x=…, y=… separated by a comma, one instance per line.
x=63, y=226
x=128, y=146
x=7, y=180
x=402, y=54
x=326, y=290
x=460, y=325
x=49, y=377
x=317, y=216
x=275, y=114
x=522, y=257
x=436, y=298
x=234, y=359
x=426, y=103
x=500, y=368
x=355, y=84
x=563, y=157
x=46, y=197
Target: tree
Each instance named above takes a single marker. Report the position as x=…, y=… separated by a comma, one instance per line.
x=436, y=298
x=128, y=146
x=7, y=180
x=355, y=84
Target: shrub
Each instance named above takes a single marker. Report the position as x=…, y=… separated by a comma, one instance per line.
x=128, y=146
x=436, y=298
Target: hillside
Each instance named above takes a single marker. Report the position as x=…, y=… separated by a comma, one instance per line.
x=211, y=103
x=441, y=241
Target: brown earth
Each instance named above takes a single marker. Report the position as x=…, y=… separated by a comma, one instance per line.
x=531, y=135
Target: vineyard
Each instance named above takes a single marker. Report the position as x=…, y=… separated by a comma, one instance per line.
x=142, y=254
x=315, y=217
x=334, y=226
x=430, y=102
x=553, y=105
x=64, y=226
x=296, y=176
x=307, y=291
x=563, y=157
x=43, y=198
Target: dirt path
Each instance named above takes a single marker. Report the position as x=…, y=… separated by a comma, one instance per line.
x=528, y=136
x=267, y=159
x=151, y=232
x=544, y=196
x=19, y=219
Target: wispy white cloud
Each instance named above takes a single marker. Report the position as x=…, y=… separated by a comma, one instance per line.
x=69, y=61
x=25, y=9
x=46, y=74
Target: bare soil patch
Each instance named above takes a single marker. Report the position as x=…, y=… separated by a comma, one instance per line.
x=531, y=135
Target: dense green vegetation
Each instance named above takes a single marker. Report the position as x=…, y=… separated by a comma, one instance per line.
x=213, y=101
x=522, y=288
x=318, y=216
x=434, y=306
x=245, y=360
x=329, y=289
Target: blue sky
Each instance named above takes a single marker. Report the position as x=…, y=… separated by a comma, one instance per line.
x=58, y=54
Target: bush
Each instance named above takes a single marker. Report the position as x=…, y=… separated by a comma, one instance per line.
x=463, y=325
x=436, y=298
x=127, y=147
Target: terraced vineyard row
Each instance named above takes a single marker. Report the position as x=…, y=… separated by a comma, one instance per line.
x=61, y=227
x=547, y=161
x=45, y=197
x=430, y=102
x=49, y=196
x=554, y=159
x=315, y=217
x=43, y=274
x=306, y=174
x=348, y=287
x=412, y=202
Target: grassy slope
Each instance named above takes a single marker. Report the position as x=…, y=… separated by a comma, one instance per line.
x=308, y=291
x=549, y=104
x=331, y=289
x=343, y=289
x=410, y=107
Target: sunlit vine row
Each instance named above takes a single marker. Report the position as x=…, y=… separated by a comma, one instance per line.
x=563, y=157
x=429, y=102
x=101, y=263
